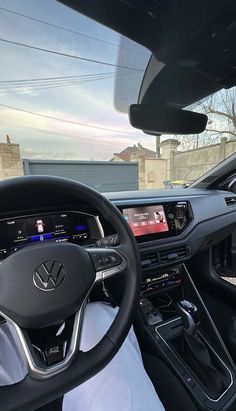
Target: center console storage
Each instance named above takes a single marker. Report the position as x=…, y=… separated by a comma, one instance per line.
x=176, y=327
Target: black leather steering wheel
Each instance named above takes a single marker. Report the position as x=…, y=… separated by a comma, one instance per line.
x=47, y=284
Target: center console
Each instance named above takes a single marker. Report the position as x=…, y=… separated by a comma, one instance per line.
x=177, y=328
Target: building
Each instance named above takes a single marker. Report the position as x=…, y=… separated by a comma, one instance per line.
x=151, y=170
x=132, y=153
x=10, y=160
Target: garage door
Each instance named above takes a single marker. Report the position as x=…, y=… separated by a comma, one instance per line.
x=101, y=175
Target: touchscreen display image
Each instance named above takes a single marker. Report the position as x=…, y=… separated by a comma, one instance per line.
x=146, y=220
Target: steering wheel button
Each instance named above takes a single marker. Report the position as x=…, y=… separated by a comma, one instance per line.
x=54, y=354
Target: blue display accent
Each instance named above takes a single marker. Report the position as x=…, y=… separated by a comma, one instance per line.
x=41, y=237
x=81, y=227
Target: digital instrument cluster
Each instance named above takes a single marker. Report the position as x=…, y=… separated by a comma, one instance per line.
x=75, y=227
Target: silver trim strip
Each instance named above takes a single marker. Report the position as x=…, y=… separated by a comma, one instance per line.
x=187, y=371
x=167, y=322
x=159, y=200
x=99, y=224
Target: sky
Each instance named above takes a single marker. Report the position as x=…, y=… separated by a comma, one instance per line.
x=86, y=100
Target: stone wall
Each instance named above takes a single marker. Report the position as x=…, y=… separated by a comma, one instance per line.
x=168, y=149
x=10, y=161
x=152, y=173
x=191, y=164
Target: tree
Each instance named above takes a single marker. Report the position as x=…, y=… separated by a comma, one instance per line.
x=220, y=108
x=193, y=141
x=221, y=111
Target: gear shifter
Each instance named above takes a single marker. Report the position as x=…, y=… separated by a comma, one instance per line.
x=197, y=354
x=190, y=317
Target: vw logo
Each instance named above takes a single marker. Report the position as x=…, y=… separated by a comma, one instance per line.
x=49, y=275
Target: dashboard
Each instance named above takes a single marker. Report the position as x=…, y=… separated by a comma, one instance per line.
x=170, y=226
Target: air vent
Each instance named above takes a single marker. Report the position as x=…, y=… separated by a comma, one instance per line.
x=149, y=260
x=173, y=254
x=230, y=201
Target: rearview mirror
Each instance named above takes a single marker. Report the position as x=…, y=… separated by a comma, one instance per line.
x=166, y=120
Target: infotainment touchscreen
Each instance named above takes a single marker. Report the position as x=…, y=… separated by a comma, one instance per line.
x=146, y=220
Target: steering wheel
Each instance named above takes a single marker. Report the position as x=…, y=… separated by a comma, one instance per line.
x=47, y=285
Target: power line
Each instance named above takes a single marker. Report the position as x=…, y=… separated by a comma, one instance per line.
x=67, y=121
x=55, y=78
x=40, y=85
x=10, y=85
x=53, y=82
x=14, y=87
x=45, y=87
x=67, y=29
x=69, y=55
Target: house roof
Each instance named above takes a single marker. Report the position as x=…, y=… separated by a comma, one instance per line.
x=135, y=151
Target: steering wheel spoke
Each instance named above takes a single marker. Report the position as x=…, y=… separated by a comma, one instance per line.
x=49, y=351
x=108, y=262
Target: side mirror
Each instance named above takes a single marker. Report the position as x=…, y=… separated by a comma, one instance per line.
x=166, y=120
x=232, y=185
x=229, y=184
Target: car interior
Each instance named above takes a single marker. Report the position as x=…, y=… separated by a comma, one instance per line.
x=163, y=257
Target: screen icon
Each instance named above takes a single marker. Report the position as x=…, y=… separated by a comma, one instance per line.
x=40, y=226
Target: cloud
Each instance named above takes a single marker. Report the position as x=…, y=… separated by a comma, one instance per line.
x=90, y=103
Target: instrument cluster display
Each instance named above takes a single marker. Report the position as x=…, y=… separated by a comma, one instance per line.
x=71, y=226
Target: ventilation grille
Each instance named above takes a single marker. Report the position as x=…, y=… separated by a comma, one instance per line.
x=164, y=256
x=149, y=260
x=230, y=201
x=173, y=254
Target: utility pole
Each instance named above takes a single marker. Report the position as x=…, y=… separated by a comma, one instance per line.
x=158, y=146
x=197, y=141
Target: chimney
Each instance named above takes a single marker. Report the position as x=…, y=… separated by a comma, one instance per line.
x=139, y=145
x=8, y=140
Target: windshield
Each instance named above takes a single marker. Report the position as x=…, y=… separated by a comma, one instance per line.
x=66, y=83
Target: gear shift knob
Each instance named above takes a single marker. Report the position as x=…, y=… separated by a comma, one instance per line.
x=189, y=314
